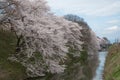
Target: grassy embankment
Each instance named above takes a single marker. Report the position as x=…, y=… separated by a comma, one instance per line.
x=9, y=70
x=112, y=66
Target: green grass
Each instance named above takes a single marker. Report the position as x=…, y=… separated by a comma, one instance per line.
x=9, y=70
x=112, y=66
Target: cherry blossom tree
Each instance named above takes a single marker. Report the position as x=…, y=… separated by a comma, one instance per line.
x=42, y=37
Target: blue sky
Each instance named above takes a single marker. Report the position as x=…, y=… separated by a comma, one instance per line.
x=103, y=16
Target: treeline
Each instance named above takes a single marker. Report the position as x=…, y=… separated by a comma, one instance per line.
x=48, y=46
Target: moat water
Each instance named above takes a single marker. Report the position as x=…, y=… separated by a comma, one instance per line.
x=100, y=68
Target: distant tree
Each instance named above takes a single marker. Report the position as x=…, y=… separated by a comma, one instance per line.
x=117, y=41
x=104, y=43
x=91, y=44
x=73, y=18
x=88, y=34
x=106, y=39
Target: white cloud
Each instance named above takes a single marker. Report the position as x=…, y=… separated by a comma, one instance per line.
x=110, y=31
x=113, y=28
x=87, y=7
x=113, y=21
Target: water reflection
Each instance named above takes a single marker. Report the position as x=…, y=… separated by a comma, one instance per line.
x=99, y=71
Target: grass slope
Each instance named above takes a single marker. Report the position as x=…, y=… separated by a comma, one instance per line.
x=9, y=70
x=112, y=66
